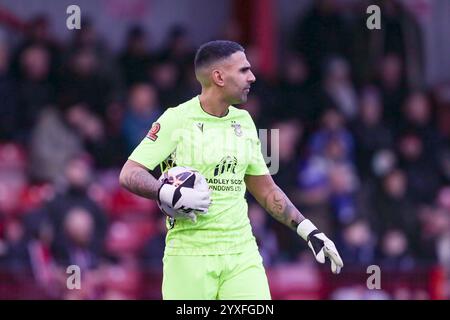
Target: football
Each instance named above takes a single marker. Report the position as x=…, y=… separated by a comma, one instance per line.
x=181, y=177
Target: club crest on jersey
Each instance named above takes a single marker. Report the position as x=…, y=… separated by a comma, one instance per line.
x=237, y=128
x=152, y=134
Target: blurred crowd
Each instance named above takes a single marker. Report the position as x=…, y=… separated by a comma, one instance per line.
x=364, y=147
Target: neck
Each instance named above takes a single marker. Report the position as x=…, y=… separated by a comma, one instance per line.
x=213, y=103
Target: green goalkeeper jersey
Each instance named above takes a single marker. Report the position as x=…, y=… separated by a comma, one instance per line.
x=223, y=149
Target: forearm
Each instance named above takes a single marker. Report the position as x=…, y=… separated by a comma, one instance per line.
x=275, y=201
x=281, y=208
x=139, y=181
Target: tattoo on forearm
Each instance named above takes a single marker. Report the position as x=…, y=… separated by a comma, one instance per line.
x=142, y=183
x=278, y=203
x=282, y=209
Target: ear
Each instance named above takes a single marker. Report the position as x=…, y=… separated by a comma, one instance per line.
x=217, y=77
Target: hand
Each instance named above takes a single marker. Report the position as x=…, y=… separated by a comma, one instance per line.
x=183, y=200
x=321, y=246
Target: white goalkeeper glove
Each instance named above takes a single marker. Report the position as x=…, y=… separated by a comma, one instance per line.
x=183, y=200
x=320, y=245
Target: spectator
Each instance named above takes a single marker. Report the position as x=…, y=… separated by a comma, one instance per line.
x=418, y=116
x=14, y=256
x=371, y=134
x=124, y=243
x=83, y=82
x=143, y=109
x=358, y=244
x=321, y=33
x=8, y=95
x=332, y=138
x=35, y=91
x=40, y=236
x=38, y=33
x=343, y=192
x=293, y=98
x=420, y=168
x=77, y=245
x=337, y=87
x=393, y=208
x=105, y=149
x=13, y=179
x=401, y=35
x=178, y=47
x=165, y=75
x=314, y=191
x=395, y=252
x=391, y=81
x=88, y=37
x=89, y=219
x=435, y=236
x=135, y=58
x=189, y=86
x=290, y=134
x=52, y=145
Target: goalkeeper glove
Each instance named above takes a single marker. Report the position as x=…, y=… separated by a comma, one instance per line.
x=185, y=201
x=320, y=245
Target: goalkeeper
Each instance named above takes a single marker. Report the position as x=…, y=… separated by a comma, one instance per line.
x=215, y=255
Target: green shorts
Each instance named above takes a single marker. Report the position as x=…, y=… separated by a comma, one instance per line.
x=224, y=277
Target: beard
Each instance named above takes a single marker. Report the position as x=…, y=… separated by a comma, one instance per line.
x=239, y=98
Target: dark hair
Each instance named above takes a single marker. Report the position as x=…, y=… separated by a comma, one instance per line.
x=215, y=50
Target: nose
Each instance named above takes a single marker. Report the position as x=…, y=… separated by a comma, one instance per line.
x=252, y=78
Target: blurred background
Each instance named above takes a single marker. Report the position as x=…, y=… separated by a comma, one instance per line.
x=364, y=119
